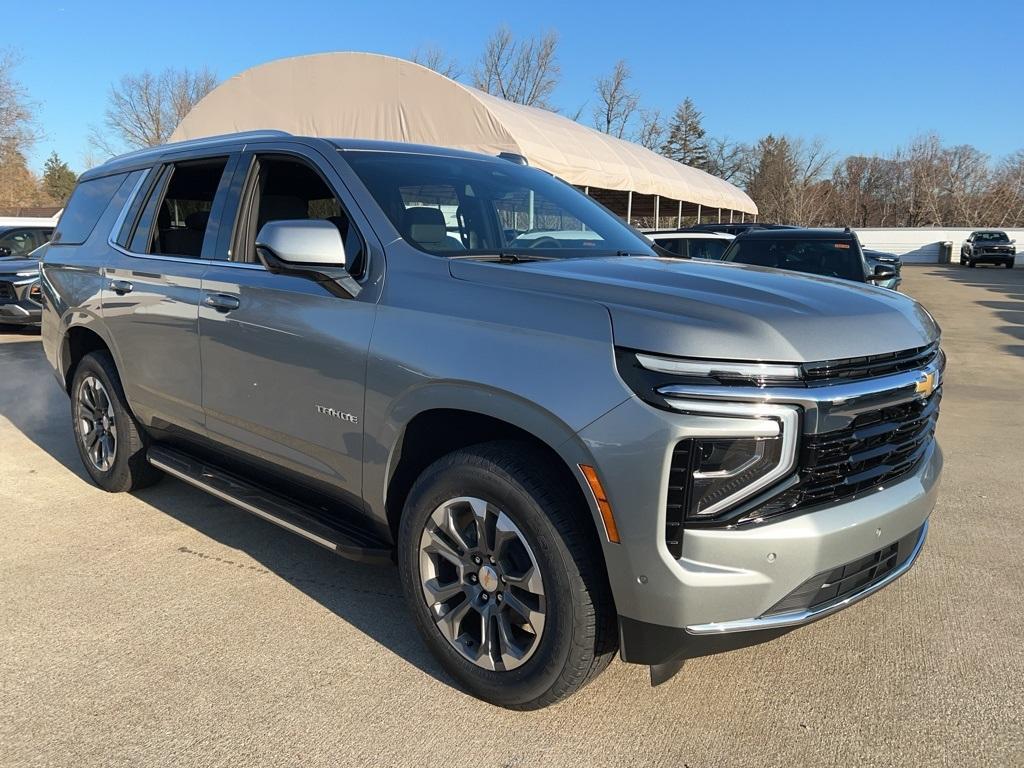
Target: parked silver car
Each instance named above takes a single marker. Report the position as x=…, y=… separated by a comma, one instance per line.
x=571, y=447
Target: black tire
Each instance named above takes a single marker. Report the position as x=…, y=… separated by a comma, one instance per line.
x=579, y=637
x=129, y=470
x=1009, y=265
x=971, y=263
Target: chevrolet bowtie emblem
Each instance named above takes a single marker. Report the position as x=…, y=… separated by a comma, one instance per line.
x=926, y=384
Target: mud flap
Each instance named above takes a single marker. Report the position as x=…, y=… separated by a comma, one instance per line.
x=662, y=673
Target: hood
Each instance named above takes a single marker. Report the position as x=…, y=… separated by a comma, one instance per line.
x=724, y=311
x=10, y=266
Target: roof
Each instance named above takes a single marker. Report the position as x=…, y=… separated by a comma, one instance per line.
x=31, y=211
x=796, y=234
x=369, y=96
x=690, y=235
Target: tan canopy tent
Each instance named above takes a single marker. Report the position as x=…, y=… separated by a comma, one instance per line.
x=369, y=96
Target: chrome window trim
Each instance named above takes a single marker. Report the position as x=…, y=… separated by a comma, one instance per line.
x=785, y=419
x=796, y=618
x=119, y=222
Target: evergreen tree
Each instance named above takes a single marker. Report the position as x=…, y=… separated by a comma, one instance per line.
x=685, y=141
x=58, y=179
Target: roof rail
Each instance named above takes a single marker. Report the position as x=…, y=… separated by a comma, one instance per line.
x=205, y=140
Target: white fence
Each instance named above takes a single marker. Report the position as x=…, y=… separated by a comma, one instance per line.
x=921, y=245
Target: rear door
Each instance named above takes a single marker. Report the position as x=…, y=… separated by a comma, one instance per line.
x=150, y=299
x=283, y=359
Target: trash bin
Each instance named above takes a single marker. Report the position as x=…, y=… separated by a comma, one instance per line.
x=945, y=252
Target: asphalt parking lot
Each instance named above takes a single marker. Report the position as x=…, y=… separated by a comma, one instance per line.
x=168, y=628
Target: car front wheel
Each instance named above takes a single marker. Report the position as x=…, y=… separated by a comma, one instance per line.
x=504, y=578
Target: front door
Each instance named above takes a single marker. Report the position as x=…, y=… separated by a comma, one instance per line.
x=283, y=359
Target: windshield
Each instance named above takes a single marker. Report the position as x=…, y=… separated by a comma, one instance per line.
x=457, y=206
x=815, y=257
x=991, y=237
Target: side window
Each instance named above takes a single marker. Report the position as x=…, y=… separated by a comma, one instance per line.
x=17, y=243
x=88, y=202
x=287, y=189
x=176, y=217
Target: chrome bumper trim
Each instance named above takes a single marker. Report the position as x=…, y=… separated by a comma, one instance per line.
x=798, y=618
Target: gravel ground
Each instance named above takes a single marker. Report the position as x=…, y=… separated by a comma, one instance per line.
x=167, y=628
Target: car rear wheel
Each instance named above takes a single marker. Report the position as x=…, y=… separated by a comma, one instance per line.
x=505, y=584
x=110, y=441
x=971, y=263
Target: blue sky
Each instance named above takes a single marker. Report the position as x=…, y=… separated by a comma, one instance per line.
x=864, y=76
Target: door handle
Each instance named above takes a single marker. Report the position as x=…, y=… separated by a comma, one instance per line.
x=221, y=301
x=121, y=287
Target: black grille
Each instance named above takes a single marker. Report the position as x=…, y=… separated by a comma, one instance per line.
x=7, y=292
x=869, y=366
x=843, y=581
x=878, y=448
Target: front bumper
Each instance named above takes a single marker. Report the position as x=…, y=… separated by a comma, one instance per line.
x=16, y=308
x=992, y=258
x=719, y=593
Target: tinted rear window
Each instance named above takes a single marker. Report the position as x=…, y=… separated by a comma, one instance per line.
x=816, y=257
x=88, y=202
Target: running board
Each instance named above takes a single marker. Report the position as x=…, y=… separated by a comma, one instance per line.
x=345, y=539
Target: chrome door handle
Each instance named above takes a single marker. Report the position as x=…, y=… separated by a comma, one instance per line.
x=121, y=287
x=222, y=302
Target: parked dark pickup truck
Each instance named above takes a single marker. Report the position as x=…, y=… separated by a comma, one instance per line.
x=988, y=247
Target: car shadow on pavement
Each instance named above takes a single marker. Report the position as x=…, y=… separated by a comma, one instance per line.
x=1006, y=283
x=367, y=597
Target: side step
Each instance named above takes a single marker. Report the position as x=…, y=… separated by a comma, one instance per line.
x=347, y=540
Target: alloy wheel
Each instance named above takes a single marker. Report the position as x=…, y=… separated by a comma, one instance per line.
x=96, y=426
x=482, y=584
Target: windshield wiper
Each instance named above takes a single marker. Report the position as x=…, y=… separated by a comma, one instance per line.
x=505, y=257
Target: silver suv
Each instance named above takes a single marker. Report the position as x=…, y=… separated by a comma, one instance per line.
x=571, y=447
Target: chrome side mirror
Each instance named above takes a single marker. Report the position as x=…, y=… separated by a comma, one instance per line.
x=309, y=248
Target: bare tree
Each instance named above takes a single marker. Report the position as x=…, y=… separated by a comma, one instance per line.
x=17, y=113
x=651, y=132
x=729, y=160
x=521, y=71
x=788, y=182
x=433, y=57
x=616, y=102
x=143, y=110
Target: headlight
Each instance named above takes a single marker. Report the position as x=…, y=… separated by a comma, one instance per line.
x=740, y=450
x=750, y=447
x=724, y=468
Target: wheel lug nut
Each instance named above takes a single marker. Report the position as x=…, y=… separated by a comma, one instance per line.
x=498, y=597
x=472, y=578
x=491, y=558
x=484, y=597
x=476, y=559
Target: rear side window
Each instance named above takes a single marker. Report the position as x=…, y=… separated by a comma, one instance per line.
x=88, y=202
x=176, y=217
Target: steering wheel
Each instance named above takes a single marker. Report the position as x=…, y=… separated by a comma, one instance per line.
x=545, y=242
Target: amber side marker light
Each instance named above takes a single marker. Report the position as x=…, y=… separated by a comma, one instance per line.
x=610, y=529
